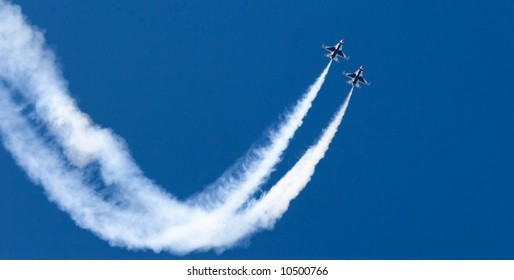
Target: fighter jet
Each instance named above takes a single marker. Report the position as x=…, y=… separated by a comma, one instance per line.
x=356, y=78
x=335, y=51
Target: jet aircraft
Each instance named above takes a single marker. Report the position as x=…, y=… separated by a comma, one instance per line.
x=356, y=78
x=335, y=51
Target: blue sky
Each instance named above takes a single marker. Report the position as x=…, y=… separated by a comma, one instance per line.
x=422, y=167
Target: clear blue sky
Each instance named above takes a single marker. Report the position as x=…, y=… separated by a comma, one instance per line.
x=422, y=167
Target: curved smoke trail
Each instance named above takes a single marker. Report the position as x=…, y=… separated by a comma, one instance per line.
x=264, y=212
x=273, y=205
x=133, y=211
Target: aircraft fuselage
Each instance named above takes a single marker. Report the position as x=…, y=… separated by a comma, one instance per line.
x=334, y=53
x=356, y=79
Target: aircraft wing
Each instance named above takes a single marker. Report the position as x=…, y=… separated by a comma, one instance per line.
x=363, y=80
x=350, y=75
x=330, y=48
x=341, y=54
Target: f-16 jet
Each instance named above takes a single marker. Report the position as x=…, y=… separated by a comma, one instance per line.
x=356, y=78
x=335, y=51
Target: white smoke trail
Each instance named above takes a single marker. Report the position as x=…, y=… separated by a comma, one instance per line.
x=273, y=205
x=264, y=212
x=83, y=142
x=137, y=214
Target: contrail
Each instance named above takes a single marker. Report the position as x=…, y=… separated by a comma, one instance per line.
x=131, y=210
x=273, y=205
x=84, y=143
x=264, y=212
